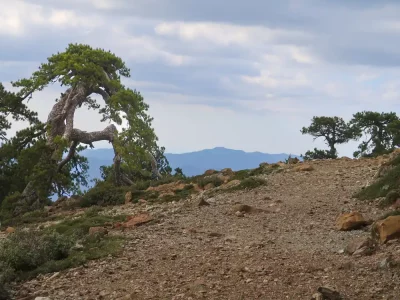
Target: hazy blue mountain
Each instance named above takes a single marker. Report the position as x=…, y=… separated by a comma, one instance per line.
x=193, y=163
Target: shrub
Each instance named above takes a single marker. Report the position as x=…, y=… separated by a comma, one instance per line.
x=382, y=187
x=104, y=193
x=79, y=226
x=7, y=273
x=249, y=183
x=141, y=185
x=185, y=192
x=318, y=154
x=25, y=251
x=242, y=174
x=4, y=295
x=391, y=198
x=25, y=254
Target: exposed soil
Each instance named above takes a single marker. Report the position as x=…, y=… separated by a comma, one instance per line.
x=284, y=249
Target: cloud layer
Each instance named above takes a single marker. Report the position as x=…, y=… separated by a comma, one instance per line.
x=240, y=74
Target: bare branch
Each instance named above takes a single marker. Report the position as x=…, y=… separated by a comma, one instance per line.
x=71, y=154
x=104, y=94
x=84, y=137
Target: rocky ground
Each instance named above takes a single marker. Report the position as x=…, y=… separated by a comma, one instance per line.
x=286, y=249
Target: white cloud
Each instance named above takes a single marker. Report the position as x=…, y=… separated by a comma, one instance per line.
x=143, y=48
x=222, y=34
x=268, y=79
x=18, y=17
x=216, y=81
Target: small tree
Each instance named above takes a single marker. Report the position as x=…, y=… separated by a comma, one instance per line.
x=179, y=173
x=380, y=129
x=334, y=130
x=317, y=154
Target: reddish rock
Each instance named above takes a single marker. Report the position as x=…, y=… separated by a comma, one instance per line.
x=10, y=230
x=209, y=172
x=227, y=171
x=137, y=220
x=98, y=230
x=117, y=225
x=304, y=168
x=168, y=188
x=387, y=229
x=350, y=221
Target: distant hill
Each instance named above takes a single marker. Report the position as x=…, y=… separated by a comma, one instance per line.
x=193, y=163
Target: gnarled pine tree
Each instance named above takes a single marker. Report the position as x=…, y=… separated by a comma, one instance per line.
x=86, y=72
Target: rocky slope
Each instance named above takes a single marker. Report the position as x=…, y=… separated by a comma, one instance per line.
x=286, y=247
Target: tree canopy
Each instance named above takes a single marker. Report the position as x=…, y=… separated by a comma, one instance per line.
x=334, y=130
x=381, y=131
x=45, y=155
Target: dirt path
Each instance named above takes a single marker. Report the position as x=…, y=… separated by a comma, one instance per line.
x=286, y=251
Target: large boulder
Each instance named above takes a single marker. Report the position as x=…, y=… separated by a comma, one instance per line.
x=350, y=221
x=387, y=229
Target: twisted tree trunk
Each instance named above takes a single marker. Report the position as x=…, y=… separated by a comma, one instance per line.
x=60, y=123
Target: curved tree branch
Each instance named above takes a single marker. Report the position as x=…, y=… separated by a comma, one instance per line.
x=84, y=137
x=70, y=155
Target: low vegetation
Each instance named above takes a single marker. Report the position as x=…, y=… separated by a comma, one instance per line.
x=27, y=253
x=385, y=186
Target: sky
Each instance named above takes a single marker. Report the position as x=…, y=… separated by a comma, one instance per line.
x=239, y=74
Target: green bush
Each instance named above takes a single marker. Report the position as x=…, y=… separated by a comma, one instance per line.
x=4, y=295
x=391, y=198
x=185, y=192
x=8, y=206
x=25, y=251
x=25, y=254
x=7, y=273
x=79, y=227
x=249, y=183
x=104, y=193
x=380, y=188
x=242, y=174
x=141, y=185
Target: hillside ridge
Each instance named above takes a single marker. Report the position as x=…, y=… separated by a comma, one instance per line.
x=275, y=241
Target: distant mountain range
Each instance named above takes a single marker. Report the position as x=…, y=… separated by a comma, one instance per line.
x=193, y=163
